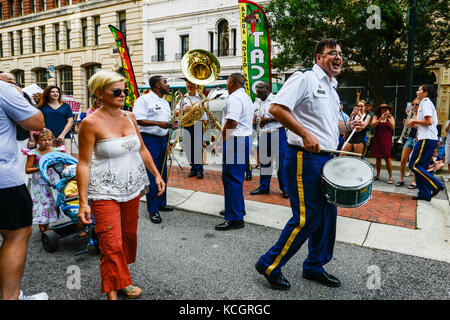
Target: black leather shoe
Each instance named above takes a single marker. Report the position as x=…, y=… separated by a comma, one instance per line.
x=228, y=225
x=199, y=175
x=323, y=278
x=258, y=191
x=435, y=192
x=285, y=194
x=155, y=217
x=191, y=174
x=278, y=282
x=418, y=198
x=166, y=208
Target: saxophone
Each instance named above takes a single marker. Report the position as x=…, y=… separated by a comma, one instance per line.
x=406, y=130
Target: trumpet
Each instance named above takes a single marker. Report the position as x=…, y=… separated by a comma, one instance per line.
x=406, y=130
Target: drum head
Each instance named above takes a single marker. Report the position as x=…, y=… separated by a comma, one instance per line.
x=348, y=172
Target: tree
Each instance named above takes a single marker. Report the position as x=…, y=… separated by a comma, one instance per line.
x=297, y=25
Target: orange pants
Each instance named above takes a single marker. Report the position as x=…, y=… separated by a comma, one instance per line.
x=116, y=228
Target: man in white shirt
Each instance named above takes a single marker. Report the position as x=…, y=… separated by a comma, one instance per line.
x=308, y=106
x=153, y=116
x=272, y=142
x=427, y=136
x=235, y=136
x=193, y=135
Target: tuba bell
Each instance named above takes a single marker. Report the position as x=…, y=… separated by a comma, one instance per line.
x=200, y=67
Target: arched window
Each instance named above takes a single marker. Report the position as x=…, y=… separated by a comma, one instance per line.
x=20, y=77
x=223, y=38
x=41, y=77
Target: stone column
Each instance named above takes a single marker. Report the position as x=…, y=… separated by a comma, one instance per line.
x=5, y=44
x=50, y=38
x=38, y=34
x=62, y=36
x=90, y=31
x=16, y=43
x=26, y=34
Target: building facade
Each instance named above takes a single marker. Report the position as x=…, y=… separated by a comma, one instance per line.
x=173, y=27
x=64, y=42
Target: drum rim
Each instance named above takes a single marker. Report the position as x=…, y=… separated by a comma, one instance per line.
x=353, y=187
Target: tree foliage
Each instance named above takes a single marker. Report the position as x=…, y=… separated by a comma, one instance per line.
x=297, y=25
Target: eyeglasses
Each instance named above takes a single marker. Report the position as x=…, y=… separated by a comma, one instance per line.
x=334, y=53
x=118, y=92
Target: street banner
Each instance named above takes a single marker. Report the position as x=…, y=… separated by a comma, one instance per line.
x=255, y=41
x=130, y=79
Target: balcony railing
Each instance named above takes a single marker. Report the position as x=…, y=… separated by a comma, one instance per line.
x=158, y=58
x=224, y=53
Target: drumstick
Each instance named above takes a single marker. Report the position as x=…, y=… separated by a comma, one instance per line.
x=339, y=151
x=348, y=139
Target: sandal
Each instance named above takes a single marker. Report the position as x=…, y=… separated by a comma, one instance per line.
x=131, y=292
x=412, y=186
x=390, y=181
x=376, y=178
x=400, y=183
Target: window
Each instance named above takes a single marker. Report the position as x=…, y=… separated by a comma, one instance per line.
x=1, y=46
x=20, y=3
x=11, y=41
x=90, y=70
x=66, y=83
x=20, y=77
x=160, y=49
x=42, y=38
x=122, y=22
x=1, y=11
x=11, y=8
x=211, y=41
x=68, y=34
x=33, y=40
x=223, y=43
x=20, y=42
x=57, y=3
x=56, y=26
x=84, y=33
x=43, y=5
x=184, y=44
x=233, y=41
x=41, y=77
x=33, y=6
x=97, y=30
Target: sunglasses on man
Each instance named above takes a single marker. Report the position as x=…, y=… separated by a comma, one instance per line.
x=118, y=92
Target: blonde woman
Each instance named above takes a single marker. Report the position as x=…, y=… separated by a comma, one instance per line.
x=111, y=175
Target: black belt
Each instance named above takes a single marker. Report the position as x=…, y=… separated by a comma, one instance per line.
x=300, y=148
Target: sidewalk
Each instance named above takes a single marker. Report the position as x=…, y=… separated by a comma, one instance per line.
x=390, y=221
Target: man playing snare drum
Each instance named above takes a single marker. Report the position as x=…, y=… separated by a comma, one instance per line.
x=308, y=106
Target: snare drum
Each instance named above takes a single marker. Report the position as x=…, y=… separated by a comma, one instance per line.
x=347, y=181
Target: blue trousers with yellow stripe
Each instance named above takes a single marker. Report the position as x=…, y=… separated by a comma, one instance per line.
x=235, y=157
x=313, y=218
x=418, y=163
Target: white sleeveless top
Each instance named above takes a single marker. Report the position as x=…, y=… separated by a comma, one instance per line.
x=117, y=170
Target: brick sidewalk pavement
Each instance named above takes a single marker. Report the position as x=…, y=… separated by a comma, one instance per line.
x=385, y=207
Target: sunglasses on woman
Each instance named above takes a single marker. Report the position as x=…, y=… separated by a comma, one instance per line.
x=118, y=92
x=415, y=104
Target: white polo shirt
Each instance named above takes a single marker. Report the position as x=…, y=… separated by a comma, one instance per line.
x=426, y=108
x=239, y=107
x=152, y=107
x=314, y=102
x=263, y=108
x=186, y=102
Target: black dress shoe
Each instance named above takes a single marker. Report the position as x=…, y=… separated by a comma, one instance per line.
x=228, y=225
x=435, y=192
x=418, y=198
x=191, y=174
x=166, y=208
x=258, y=191
x=199, y=175
x=323, y=278
x=155, y=217
x=285, y=194
x=278, y=282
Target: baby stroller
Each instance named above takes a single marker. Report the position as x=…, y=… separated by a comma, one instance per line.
x=50, y=239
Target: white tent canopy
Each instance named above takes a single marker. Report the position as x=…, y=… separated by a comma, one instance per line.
x=34, y=88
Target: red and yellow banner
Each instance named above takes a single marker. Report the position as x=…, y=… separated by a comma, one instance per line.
x=255, y=40
x=130, y=79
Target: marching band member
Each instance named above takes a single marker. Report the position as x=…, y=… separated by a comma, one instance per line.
x=235, y=136
x=193, y=135
x=153, y=115
x=272, y=142
x=308, y=106
x=426, y=122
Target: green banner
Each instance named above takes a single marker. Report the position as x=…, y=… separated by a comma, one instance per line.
x=255, y=40
x=130, y=79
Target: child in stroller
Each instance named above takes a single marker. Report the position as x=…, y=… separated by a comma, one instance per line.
x=67, y=202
